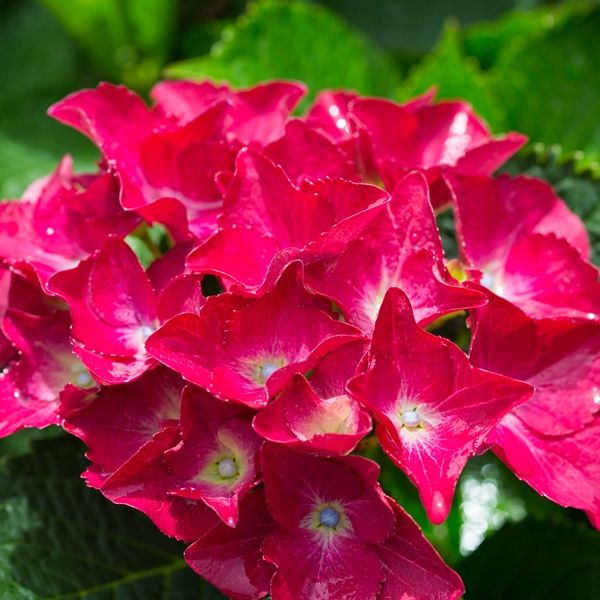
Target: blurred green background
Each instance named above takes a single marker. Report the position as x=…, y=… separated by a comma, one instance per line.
x=523, y=64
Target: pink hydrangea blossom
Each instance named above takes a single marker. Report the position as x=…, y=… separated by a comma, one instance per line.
x=229, y=389
x=434, y=409
x=530, y=248
x=552, y=440
x=247, y=350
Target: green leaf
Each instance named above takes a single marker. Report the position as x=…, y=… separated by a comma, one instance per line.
x=127, y=41
x=550, y=86
x=456, y=76
x=486, y=40
x=575, y=178
x=39, y=65
x=293, y=40
x=408, y=30
x=537, y=560
x=60, y=540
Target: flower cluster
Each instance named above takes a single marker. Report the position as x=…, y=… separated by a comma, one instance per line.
x=232, y=419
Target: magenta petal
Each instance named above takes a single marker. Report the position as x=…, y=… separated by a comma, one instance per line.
x=563, y=468
x=330, y=113
x=39, y=359
x=121, y=419
x=215, y=461
x=342, y=569
x=413, y=569
x=492, y=214
x=318, y=416
x=247, y=350
x=330, y=511
x=231, y=559
x=143, y=482
x=305, y=421
x=60, y=220
x=547, y=277
x=113, y=307
x=400, y=247
x=550, y=440
x=296, y=483
x=559, y=357
x=445, y=137
x=304, y=153
x=434, y=409
x=264, y=214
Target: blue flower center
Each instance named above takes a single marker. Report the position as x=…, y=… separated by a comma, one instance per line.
x=267, y=370
x=227, y=468
x=329, y=517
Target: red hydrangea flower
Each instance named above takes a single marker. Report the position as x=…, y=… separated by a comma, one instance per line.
x=133, y=446
x=436, y=138
x=531, y=248
x=38, y=364
x=267, y=222
x=247, y=350
x=60, y=220
x=167, y=168
x=434, y=409
x=331, y=513
x=117, y=421
x=113, y=307
x=340, y=537
x=305, y=153
x=257, y=115
x=214, y=462
x=140, y=483
x=400, y=247
x=330, y=112
x=317, y=415
x=553, y=440
x=230, y=558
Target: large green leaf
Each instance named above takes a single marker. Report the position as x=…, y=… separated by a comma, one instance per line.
x=486, y=40
x=293, y=40
x=409, y=30
x=127, y=41
x=39, y=65
x=535, y=560
x=455, y=76
x=550, y=86
x=60, y=540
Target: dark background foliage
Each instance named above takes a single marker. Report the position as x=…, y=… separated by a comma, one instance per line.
x=524, y=64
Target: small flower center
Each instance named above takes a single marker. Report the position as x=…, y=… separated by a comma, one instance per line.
x=267, y=370
x=329, y=517
x=411, y=418
x=83, y=378
x=227, y=468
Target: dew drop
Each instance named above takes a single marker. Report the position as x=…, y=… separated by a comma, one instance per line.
x=49, y=230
